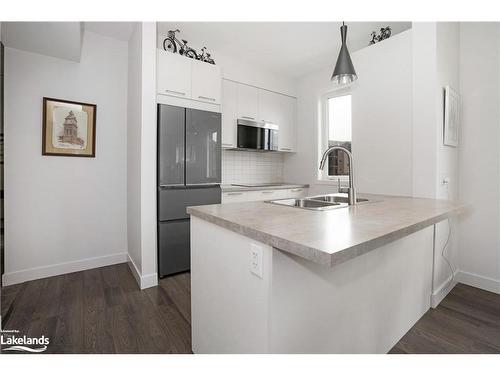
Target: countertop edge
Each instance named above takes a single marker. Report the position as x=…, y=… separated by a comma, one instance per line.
x=318, y=256
x=352, y=252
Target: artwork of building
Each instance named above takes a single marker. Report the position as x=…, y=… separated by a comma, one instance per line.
x=70, y=132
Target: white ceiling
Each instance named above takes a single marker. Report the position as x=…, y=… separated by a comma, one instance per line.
x=57, y=39
x=289, y=48
x=116, y=30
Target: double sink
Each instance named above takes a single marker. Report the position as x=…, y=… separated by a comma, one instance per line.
x=318, y=203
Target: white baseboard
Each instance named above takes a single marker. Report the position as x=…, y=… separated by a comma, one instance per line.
x=443, y=290
x=144, y=282
x=481, y=282
x=21, y=276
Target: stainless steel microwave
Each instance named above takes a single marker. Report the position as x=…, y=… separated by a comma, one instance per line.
x=254, y=135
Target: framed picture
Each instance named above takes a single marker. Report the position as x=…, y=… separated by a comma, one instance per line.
x=68, y=128
x=451, y=117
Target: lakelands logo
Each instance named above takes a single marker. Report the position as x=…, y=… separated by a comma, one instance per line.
x=11, y=342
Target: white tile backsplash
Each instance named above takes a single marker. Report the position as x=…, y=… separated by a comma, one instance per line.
x=251, y=167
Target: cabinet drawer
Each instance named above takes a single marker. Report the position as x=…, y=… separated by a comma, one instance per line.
x=262, y=195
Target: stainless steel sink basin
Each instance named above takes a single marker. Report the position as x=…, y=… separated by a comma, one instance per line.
x=320, y=202
x=336, y=199
x=306, y=203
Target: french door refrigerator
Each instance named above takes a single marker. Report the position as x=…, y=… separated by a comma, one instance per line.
x=189, y=174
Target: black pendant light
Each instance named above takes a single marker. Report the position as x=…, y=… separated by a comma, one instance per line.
x=344, y=72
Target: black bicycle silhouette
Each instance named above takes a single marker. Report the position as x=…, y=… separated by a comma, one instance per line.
x=385, y=32
x=205, y=57
x=172, y=44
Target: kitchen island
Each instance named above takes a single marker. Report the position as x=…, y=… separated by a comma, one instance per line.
x=288, y=280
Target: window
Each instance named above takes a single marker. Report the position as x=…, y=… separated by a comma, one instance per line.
x=336, y=131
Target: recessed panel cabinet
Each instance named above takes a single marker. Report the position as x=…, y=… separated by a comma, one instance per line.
x=183, y=77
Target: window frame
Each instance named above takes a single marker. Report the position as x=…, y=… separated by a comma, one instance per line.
x=323, y=129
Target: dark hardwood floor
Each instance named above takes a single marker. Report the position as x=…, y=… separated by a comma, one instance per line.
x=467, y=321
x=103, y=311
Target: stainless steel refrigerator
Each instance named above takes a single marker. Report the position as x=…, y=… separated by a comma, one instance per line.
x=189, y=174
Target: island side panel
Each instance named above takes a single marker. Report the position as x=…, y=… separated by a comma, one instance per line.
x=229, y=305
x=362, y=306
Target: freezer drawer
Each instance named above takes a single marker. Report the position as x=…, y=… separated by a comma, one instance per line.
x=172, y=203
x=173, y=247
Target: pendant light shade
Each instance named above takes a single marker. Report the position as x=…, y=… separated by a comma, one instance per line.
x=344, y=72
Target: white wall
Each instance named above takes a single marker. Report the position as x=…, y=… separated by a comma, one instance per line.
x=141, y=155
x=397, y=121
x=64, y=214
x=446, y=164
x=479, y=154
x=381, y=103
x=381, y=117
x=134, y=147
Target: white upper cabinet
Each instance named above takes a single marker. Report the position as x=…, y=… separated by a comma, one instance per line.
x=229, y=113
x=205, y=82
x=173, y=75
x=187, y=78
x=269, y=106
x=287, y=126
x=240, y=101
x=248, y=102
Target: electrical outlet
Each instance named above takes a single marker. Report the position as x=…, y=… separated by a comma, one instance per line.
x=256, y=260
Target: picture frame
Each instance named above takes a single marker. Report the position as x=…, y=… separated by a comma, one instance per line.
x=451, y=117
x=68, y=128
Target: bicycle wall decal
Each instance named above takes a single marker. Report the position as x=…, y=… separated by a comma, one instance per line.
x=385, y=32
x=174, y=45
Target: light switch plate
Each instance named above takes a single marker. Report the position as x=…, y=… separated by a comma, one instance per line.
x=256, y=265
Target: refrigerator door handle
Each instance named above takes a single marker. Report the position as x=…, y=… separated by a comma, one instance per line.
x=208, y=184
x=171, y=186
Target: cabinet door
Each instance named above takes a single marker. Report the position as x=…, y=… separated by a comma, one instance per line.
x=287, y=128
x=248, y=102
x=229, y=113
x=173, y=74
x=206, y=82
x=270, y=105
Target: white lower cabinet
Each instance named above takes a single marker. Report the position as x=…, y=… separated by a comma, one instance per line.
x=262, y=195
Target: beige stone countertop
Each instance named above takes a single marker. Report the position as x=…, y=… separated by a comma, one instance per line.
x=279, y=186
x=333, y=236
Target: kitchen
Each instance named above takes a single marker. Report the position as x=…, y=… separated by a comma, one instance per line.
x=334, y=216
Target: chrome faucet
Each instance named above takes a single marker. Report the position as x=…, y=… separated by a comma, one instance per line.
x=351, y=191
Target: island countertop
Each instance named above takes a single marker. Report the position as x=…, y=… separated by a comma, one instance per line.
x=333, y=236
